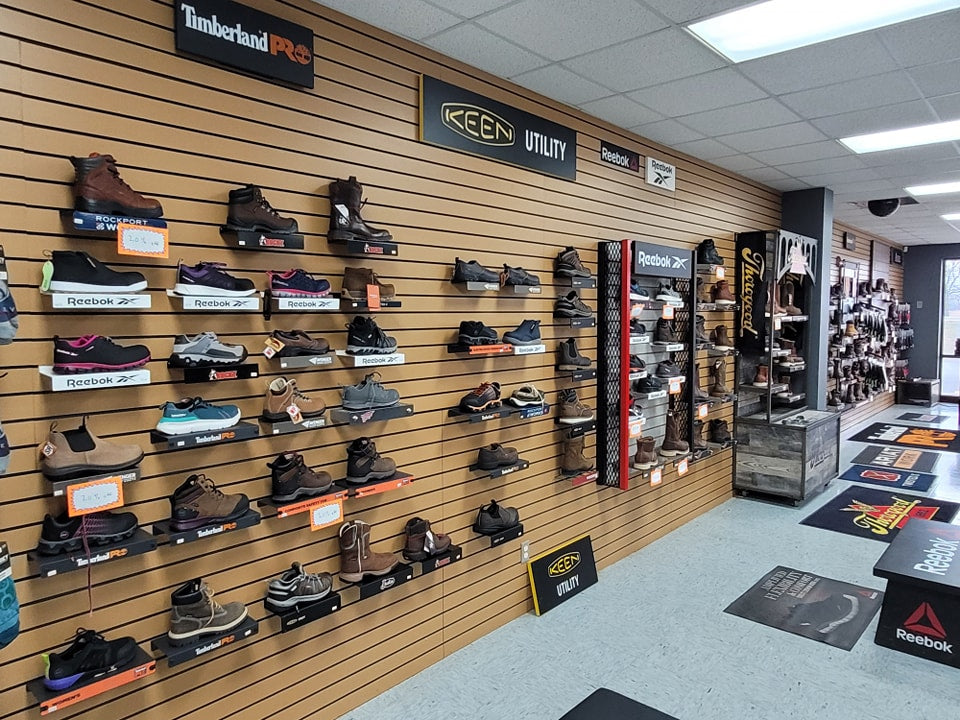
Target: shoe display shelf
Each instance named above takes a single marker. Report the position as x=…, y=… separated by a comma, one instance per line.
x=59, y=487
x=95, y=302
x=206, y=644
x=349, y=304
x=502, y=536
x=576, y=322
x=502, y=470
x=106, y=225
x=285, y=509
x=577, y=479
x=274, y=304
x=579, y=375
x=240, y=431
x=577, y=429
x=345, y=416
x=49, y=565
x=477, y=287
x=368, y=248
x=256, y=240
x=371, y=360
x=142, y=666
x=193, y=375
x=284, y=427
x=374, y=585
x=299, y=615
x=304, y=362
x=504, y=410
x=179, y=537
x=498, y=349
x=212, y=303
x=66, y=382
x=774, y=456
x=374, y=487
x=575, y=282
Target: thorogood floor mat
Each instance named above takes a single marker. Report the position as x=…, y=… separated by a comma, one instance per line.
x=608, y=705
x=910, y=436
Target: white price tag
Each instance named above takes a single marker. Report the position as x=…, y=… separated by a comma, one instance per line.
x=682, y=467
x=656, y=477
x=720, y=272
x=326, y=514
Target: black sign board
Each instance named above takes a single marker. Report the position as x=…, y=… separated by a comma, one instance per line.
x=245, y=38
x=752, y=291
x=661, y=261
x=462, y=120
x=897, y=458
x=561, y=573
x=925, y=553
x=621, y=157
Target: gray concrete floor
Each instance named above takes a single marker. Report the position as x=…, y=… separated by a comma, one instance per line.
x=654, y=629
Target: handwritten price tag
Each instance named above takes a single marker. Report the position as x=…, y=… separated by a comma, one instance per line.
x=702, y=411
x=142, y=240
x=682, y=467
x=95, y=496
x=273, y=346
x=326, y=514
x=720, y=272
x=675, y=386
x=667, y=312
x=636, y=428
x=656, y=477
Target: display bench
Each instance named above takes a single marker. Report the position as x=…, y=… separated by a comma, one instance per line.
x=790, y=457
x=918, y=392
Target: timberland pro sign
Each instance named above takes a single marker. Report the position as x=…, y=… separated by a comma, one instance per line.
x=661, y=261
x=621, y=157
x=242, y=37
x=661, y=174
x=910, y=436
x=455, y=118
x=559, y=574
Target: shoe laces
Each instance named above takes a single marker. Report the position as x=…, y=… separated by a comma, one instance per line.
x=112, y=168
x=87, y=635
x=208, y=594
x=297, y=393
x=260, y=200
x=481, y=389
x=208, y=486
x=373, y=379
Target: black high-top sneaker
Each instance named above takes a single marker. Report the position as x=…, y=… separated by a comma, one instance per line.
x=346, y=223
x=707, y=253
x=74, y=271
x=364, y=337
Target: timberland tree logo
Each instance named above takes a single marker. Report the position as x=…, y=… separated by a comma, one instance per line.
x=751, y=277
x=255, y=39
x=924, y=628
x=881, y=519
x=477, y=124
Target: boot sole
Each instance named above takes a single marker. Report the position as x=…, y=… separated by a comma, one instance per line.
x=573, y=313
x=75, y=471
x=643, y=466
x=575, y=421
x=467, y=340
x=100, y=207
x=573, y=273
x=196, y=426
x=726, y=302
x=76, y=287
x=569, y=473
x=365, y=350
x=370, y=476
x=672, y=453
x=188, y=638
x=198, y=360
x=346, y=236
x=302, y=492
x=281, y=417
x=577, y=367
x=347, y=295
x=481, y=408
x=261, y=229
x=96, y=367
x=204, y=522
x=48, y=547
x=511, y=341
x=358, y=577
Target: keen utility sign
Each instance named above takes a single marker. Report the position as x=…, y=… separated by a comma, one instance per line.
x=561, y=573
x=455, y=118
x=662, y=175
x=245, y=38
x=661, y=261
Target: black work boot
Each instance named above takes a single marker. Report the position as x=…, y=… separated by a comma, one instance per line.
x=707, y=253
x=346, y=199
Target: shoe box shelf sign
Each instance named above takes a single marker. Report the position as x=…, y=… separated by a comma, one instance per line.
x=561, y=573
x=458, y=119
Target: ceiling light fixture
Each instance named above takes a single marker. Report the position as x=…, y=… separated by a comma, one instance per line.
x=779, y=25
x=952, y=217
x=904, y=137
x=938, y=189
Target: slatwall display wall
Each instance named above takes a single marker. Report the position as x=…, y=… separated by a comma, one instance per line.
x=872, y=253
x=104, y=76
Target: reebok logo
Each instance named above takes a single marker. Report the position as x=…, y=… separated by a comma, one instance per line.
x=660, y=261
x=939, y=556
x=931, y=633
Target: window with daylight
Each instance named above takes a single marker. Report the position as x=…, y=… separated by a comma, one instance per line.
x=950, y=330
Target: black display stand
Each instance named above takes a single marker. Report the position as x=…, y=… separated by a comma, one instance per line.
x=179, y=537
x=361, y=417
x=376, y=585
x=256, y=240
x=240, y=431
x=449, y=556
x=370, y=248
x=177, y=654
x=475, y=417
x=192, y=375
x=49, y=565
x=59, y=487
x=288, y=426
x=579, y=428
x=520, y=464
x=603, y=704
x=106, y=225
x=295, y=617
x=373, y=487
x=499, y=538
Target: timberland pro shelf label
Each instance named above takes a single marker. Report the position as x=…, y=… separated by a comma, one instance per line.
x=245, y=38
x=621, y=157
x=561, y=573
x=462, y=120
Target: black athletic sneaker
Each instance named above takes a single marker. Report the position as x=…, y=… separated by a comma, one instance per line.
x=472, y=271
x=73, y=271
x=364, y=337
x=648, y=384
x=494, y=518
x=527, y=334
x=65, y=534
x=90, y=656
x=637, y=327
x=668, y=369
x=485, y=397
x=571, y=306
x=474, y=332
x=517, y=276
x=96, y=353
x=209, y=279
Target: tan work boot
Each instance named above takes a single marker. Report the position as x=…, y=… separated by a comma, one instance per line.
x=672, y=444
x=572, y=411
x=719, y=373
x=721, y=294
x=787, y=296
x=574, y=461
x=281, y=394
x=646, y=456
x=356, y=560
x=99, y=189
x=198, y=502
x=74, y=453
x=355, y=281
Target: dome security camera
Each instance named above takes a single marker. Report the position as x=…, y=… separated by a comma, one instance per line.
x=883, y=208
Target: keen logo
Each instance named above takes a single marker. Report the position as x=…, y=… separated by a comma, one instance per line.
x=563, y=564
x=477, y=124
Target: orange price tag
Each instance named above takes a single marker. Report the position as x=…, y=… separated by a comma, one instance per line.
x=720, y=272
x=94, y=496
x=142, y=240
x=675, y=386
x=656, y=477
x=373, y=297
x=702, y=411
x=636, y=428
x=326, y=514
x=667, y=312
x=682, y=467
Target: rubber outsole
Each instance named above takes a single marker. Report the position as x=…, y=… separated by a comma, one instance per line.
x=207, y=521
x=301, y=492
x=58, y=547
x=299, y=294
x=196, y=426
x=85, y=288
x=198, y=360
x=101, y=207
x=75, y=471
x=207, y=291
x=370, y=476
x=97, y=367
x=365, y=350
x=358, y=577
x=187, y=638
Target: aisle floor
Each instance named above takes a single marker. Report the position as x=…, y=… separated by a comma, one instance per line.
x=654, y=629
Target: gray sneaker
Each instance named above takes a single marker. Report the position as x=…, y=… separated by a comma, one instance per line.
x=195, y=613
x=298, y=587
x=204, y=350
x=369, y=393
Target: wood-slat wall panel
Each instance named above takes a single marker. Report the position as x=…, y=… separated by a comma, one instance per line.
x=79, y=76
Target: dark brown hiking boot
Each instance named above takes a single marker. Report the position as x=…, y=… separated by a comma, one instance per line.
x=721, y=294
x=672, y=444
x=249, y=210
x=74, y=453
x=719, y=431
x=98, y=188
x=195, y=613
x=422, y=542
x=356, y=558
x=293, y=478
x=786, y=297
x=281, y=394
x=346, y=223
x=720, y=338
x=698, y=442
x=646, y=456
x=355, y=281
x=699, y=394
x=198, y=502
x=297, y=342
x=365, y=463
x=719, y=373
x=490, y=457
x=573, y=460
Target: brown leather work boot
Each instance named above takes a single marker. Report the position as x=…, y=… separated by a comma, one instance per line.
x=99, y=189
x=355, y=281
x=356, y=559
x=574, y=461
x=720, y=338
x=699, y=394
x=646, y=456
x=719, y=373
x=281, y=394
x=698, y=442
x=74, y=453
x=762, y=378
x=422, y=542
x=198, y=502
x=672, y=444
x=249, y=210
x=721, y=294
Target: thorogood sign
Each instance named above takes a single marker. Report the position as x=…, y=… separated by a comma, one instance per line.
x=751, y=269
x=462, y=120
x=561, y=573
x=661, y=261
x=240, y=36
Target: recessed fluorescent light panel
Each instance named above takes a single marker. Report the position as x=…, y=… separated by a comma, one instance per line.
x=952, y=217
x=939, y=189
x=779, y=25
x=904, y=138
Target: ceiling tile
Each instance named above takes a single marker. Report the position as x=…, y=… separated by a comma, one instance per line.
x=709, y=91
x=860, y=94
x=469, y=8
x=819, y=167
x=922, y=156
x=477, y=47
x=680, y=11
x=801, y=153
x=620, y=110
x=706, y=149
x=866, y=190
x=821, y=64
x=890, y=117
x=788, y=185
x=749, y=116
x=773, y=137
x=927, y=40
x=938, y=79
x=765, y=174
x=667, y=132
x=947, y=106
x=560, y=29
x=738, y=163
x=557, y=82
x=657, y=58
x=413, y=18
x=846, y=176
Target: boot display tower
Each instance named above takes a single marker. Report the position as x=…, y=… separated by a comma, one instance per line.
x=784, y=449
